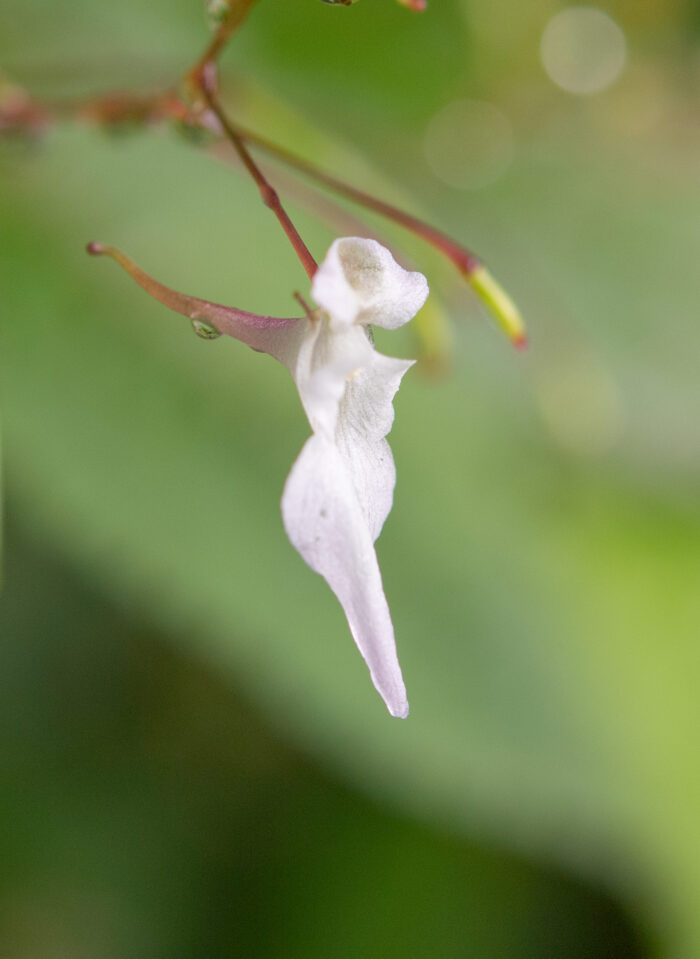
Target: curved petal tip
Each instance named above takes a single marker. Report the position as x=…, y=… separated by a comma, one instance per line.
x=399, y=711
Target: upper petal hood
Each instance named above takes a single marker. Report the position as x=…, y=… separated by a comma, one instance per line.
x=359, y=281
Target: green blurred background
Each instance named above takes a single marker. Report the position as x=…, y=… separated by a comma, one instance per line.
x=193, y=761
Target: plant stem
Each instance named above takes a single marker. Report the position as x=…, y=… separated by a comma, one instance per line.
x=465, y=261
x=203, y=77
x=237, y=13
x=268, y=194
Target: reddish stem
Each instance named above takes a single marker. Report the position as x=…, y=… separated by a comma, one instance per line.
x=465, y=261
x=268, y=194
x=203, y=77
x=231, y=22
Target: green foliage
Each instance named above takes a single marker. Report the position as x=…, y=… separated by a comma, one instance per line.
x=151, y=813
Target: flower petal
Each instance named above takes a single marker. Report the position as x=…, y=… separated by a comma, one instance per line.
x=326, y=524
x=347, y=389
x=359, y=281
x=324, y=364
x=365, y=416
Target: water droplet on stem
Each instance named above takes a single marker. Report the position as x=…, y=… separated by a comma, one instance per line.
x=205, y=330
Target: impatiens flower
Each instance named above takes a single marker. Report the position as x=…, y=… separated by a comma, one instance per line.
x=341, y=486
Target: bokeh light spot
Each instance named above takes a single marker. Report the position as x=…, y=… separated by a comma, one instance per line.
x=469, y=144
x=583, y=50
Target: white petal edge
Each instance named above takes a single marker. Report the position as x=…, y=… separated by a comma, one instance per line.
x=326, y=524
x=359, y=281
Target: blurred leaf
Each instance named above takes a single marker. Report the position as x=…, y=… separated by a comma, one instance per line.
x=147, y=811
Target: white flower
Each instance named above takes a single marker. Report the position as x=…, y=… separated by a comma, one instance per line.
x=340, y=489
